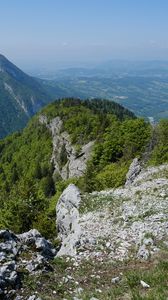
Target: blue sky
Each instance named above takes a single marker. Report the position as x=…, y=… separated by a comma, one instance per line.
x=60, y=32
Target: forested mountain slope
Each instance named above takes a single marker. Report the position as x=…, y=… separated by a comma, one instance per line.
x=89, y=143
x=21, y=96
x=38, y=163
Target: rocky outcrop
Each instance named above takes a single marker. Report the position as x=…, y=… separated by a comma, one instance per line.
x=134, y=170
x=129, y=222
x=67, y=162
x=67, y=215
x=28, y=251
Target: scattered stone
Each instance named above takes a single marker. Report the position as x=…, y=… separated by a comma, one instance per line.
x=79, y=290
x=1, y=292
x=34, y=297
x=143, y=253
x=166, y=243
x=65, y=279
x=98, y=290
x=144, y=284
x=148, y=242
x=108, y=244
x=115, y=280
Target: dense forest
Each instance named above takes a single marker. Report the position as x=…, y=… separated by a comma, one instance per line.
x=28, y=189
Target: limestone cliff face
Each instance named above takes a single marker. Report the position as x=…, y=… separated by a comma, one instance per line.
x=67, y=162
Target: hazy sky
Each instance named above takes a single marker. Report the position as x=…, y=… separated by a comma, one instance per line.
x=52, y=32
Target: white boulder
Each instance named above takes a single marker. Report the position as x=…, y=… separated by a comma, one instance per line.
x=67, y=219
x=133, y=171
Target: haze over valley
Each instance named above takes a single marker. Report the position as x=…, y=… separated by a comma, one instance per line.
x=140, y=86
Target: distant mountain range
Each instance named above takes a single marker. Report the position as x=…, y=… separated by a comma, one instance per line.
x=140, y=87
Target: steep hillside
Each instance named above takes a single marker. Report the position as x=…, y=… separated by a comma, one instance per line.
x=55, y=148
x=21, y=96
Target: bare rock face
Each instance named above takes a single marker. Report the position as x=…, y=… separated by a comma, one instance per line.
x=67, y=216
x=67, y=163
x=134, y=170
x=76, y=164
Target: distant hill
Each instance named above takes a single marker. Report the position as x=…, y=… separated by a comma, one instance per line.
x=21, y=96
x=142, y=87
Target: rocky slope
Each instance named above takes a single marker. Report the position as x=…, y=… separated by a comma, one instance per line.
x=131, y=221
x=125, y=222
x=113, y=244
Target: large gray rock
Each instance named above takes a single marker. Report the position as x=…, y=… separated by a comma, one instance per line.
x=134, y=170
x=9, y=247
x=8, y=275
x=67, y=218
x=33, y=237
x=12, y=247
x=7, y=235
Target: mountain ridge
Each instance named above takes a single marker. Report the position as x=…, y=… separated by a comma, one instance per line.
x=102, y=222
x=51, y=158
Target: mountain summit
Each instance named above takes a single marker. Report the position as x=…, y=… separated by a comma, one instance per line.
x=20, y=97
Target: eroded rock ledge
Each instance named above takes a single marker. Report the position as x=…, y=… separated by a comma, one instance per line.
x=74, y=163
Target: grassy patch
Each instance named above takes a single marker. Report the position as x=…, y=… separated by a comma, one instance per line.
x=92, y=202
x=93, y=278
